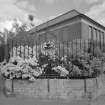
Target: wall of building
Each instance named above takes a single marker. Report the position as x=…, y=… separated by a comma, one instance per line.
x=64, y=32
x=59, y=19
x=72, y=32
x=85, y=28
x=69, y=30
x=92, y=24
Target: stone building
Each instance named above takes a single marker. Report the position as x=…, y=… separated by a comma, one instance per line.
x=69, y=26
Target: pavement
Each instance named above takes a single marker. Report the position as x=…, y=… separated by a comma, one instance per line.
x=25, y=100
x=100, y=100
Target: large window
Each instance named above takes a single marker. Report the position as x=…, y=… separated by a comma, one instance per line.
x=95, y=34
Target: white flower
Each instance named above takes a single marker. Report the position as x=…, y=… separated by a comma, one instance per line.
x=10, y=70
x=18, y=75
x=8, y=67
x=45, y=65
x=26, y=69
x=37, y=72
x=31, y=61
x=24, y=76
x=61, y=70
x=64, y=58
x=32, y=79
x=76, y=70
x=48, y=48
x=21, y=63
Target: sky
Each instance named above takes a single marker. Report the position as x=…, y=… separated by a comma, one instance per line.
x=44, y=10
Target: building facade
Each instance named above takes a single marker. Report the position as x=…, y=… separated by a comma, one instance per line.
x=69, y=26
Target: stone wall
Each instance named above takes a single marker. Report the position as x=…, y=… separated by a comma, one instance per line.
x=60, y=88
x=2, y=84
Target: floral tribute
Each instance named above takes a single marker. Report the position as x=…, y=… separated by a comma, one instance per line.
x=49, y=64
x=19, y=68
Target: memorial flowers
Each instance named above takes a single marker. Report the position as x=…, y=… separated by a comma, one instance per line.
x=20, y=68
x=61, y=70
x=48, y=62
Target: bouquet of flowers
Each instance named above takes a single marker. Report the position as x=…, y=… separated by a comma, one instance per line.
x=11, y=71
x=20, y=68
x=61, y=70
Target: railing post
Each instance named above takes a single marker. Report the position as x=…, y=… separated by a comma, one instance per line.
x=12, y=86
x=85, y=87
x=48, y=85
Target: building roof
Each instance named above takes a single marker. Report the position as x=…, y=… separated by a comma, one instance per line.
x=64, y=17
